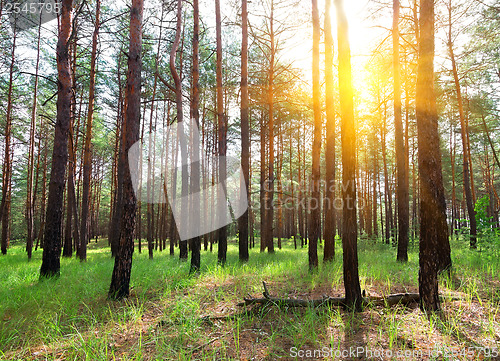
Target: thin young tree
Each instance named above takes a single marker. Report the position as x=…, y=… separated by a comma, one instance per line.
x=330, y=214
x=195, y=115
x=53, y=220
x=348, y=135
x=120, y=279
x=315, y=220
x=7, y=162
x=151, y=175
x=464, y=133
x=221, y=126
x=183, y=246
x=87, y=154
x=262, y=192
x=433, y=227
x=403, y=200
x=245, y=133
x=30, y=197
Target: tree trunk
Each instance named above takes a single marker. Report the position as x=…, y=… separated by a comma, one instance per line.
x=221, y=126
x=71, y=206
x=175, y=157
x=374, y=188
x=245, y=133
x=315, y=220
x=348, y=131
x=300, y=210
x=87, y=155
x=119, y=160
x=262, y=193
x=7, y=163
x=269, y=185
x=403, y=200
x=387, y=196
x=183, y=254
x=52, y=235
x=70, y=189
x=464, y=132
x=44, y=191
x=434, y=241
x=30, y=202
x=454, y=218
x=151, y=176
x=120, y=279
x=195, y=114
x=279, y=230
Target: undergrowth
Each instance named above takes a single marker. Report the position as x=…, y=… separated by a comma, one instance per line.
x=70, y=318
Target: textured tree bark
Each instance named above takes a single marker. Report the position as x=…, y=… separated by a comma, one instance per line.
x=407, y=138
x=348, y=131
x=245, y=133
x=87, y=155
x=118, y=203
x=293, y=230
x=71, y=201
x=43, y=200
x=119, y=159
x=73, y=146
x=52, y=235
x=306, y=185
x=183, y=248
x=30, y=198
x=195, y=114
x=221, y=123
x=279, y=185
x=151, y=175
x=315, y=220
x=300, y=210
x=269, y=186
x=7, y=163
x=454, y=218
x=434, y=241
x=205, y=144
x=403, y=200
x=173, y=233
x=471, y=172
x=387, y=197
x=262, y=193
x=120, y=280
x=374, y=189
x=71, y=206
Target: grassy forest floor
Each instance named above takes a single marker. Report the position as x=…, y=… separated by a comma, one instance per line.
x=71, y=319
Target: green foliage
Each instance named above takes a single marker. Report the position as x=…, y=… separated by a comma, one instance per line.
x=489, y=236
x=163, y=316
x=481, y=209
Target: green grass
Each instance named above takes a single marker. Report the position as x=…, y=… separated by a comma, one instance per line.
x=71, y=318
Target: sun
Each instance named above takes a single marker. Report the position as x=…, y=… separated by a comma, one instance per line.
x=362, y=38
x=361, y=35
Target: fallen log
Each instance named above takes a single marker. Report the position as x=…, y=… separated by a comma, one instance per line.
x=403, y=299
x=388, y=301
